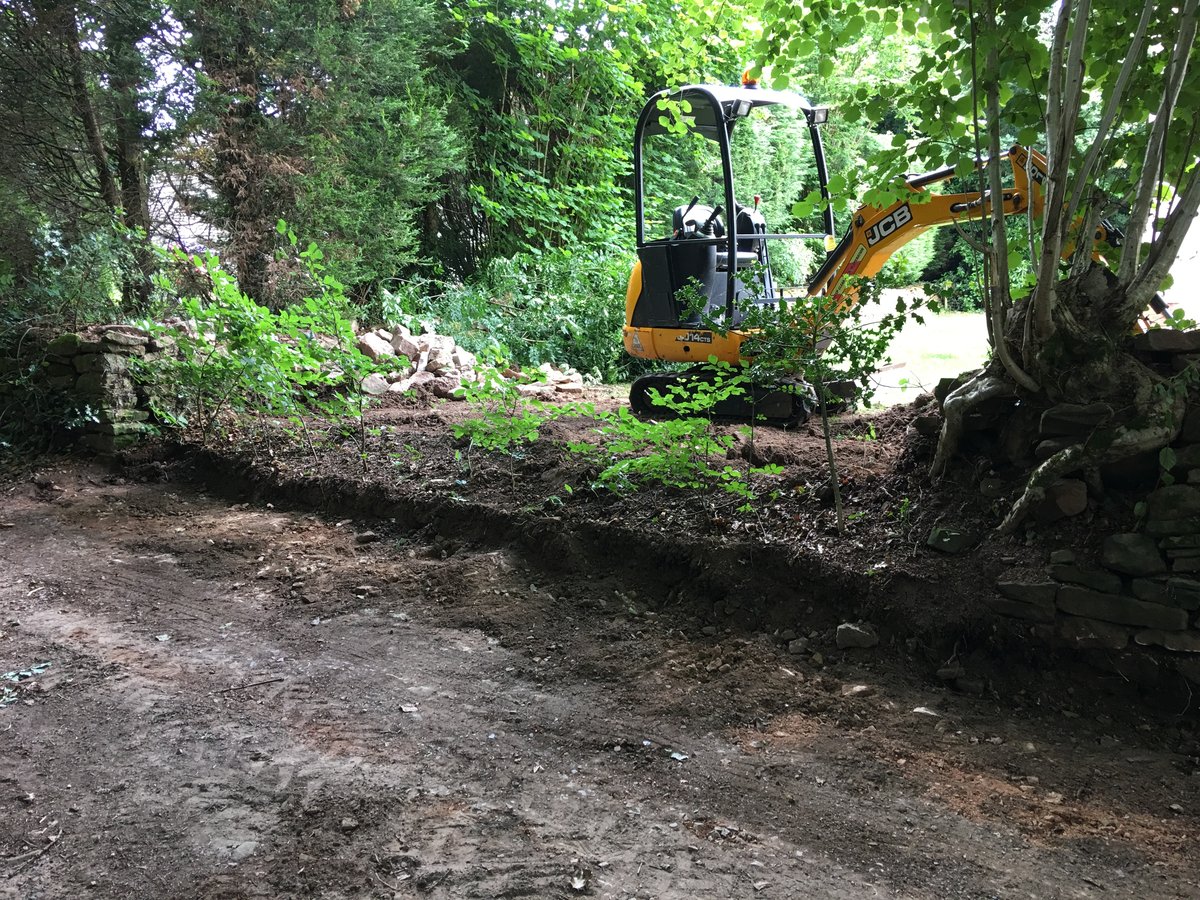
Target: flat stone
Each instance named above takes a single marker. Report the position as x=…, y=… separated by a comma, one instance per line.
x=448, y=387
x=1187, y=564
x=797, y=646
x=851, y=636
x=946, y=385
x=1150, y=590
x=112, y=390
x=1179, y=641
x=405, y=344
x=64, y=345
x=1065, y=498
x=374, y=347
x=1167, y=340
x=1096, y=579
x=1079, y=601
x=1174, y=501
x=1092, y=634
x=1184, y=593
x=463, y=359
x=124, y=336
x=109, y=363
x=1041, y=593
x=1173, y=527
x=1073, y=418
x=1016, y=609
x=122, y=415
x=948, y=539
x=1065, y=557
x=120, y=428
x=1132, y=554
x=375, y=384
x=60, y=382
x=1181, y=542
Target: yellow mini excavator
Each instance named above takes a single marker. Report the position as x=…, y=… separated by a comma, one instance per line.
x=725, y=258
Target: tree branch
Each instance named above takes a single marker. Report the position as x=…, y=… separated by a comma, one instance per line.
x=1172, y=82
x=1112, y=106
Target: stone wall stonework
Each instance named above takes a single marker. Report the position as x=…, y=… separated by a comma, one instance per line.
x=92, y=372
x=1139, y=589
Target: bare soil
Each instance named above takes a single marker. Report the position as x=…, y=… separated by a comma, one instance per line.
x=465, y=689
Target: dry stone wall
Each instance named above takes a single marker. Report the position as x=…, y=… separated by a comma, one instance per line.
x=1131, y=589
x=89, y=376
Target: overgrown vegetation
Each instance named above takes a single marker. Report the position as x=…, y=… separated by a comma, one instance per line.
x=467, y=164
x=231, y=355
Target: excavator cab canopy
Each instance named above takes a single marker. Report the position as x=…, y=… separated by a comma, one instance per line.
x=702, y=250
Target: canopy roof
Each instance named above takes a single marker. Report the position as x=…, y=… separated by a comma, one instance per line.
x=703, y=115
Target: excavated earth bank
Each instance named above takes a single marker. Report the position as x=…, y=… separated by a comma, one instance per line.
x=274, y=672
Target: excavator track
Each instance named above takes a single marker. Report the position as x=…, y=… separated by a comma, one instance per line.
x=780, y=404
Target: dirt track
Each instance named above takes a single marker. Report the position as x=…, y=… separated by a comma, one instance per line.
x=249, y=702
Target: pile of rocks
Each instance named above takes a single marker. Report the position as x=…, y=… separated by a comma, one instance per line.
x=437, y=364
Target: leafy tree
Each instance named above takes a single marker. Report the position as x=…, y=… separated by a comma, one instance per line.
x=319, y=113
x=76, y=113
x=1109, y=91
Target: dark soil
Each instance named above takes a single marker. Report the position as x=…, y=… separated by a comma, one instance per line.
x=276, y=671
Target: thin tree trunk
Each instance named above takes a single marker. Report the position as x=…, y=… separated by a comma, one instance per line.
x=1111, y=108
x=85, y=108
x=1151, y=165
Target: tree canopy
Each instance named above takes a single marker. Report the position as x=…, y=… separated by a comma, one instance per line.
x=419, y=142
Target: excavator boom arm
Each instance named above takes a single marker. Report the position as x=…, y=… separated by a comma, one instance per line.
x=877, y=232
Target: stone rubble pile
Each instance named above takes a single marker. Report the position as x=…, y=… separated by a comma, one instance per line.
x=437, y=364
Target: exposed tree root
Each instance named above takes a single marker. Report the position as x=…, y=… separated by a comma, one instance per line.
x=959, y=403
x=1127, y=443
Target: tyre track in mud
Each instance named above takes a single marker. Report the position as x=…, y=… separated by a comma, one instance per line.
x=451, y=732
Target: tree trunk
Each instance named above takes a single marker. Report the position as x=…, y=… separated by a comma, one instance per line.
x=85, y=109
x=124, y=30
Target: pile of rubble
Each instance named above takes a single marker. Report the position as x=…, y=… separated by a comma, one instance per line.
x=437, y=364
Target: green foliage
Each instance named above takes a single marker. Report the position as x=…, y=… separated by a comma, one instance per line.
x=508, y=419
x=681, y=450
x=234, y=355
x=560, y=307
x=73, y=282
